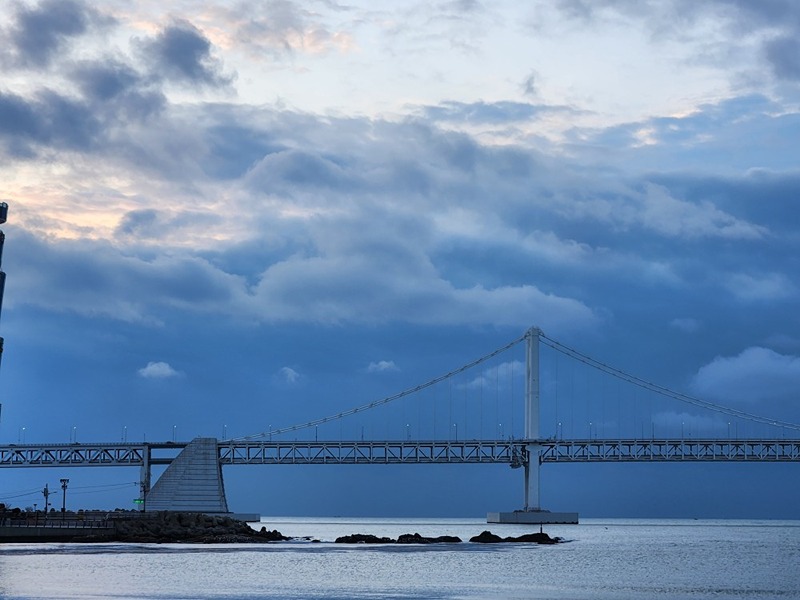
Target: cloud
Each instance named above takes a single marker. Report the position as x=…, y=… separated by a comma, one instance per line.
x=117, y=91
x=529, y=85
x=182, y=53
x=42, y=32
x=289, y=375
x=157, y=370
x=784, y=55
x=763, y=287
x=496, y=376
x=756, y=375
x=347, y=288
x=50, y=119
x=722, y=25
x=284, y=27
x=483, y=112
x=382, y=366
x=95, y=279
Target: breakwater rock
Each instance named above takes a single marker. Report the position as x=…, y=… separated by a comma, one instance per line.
x=406, y=538
x=487, y=537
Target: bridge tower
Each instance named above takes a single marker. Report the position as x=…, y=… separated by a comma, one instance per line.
x=532, y=513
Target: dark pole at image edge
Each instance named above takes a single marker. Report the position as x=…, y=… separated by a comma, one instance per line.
x=3, y=217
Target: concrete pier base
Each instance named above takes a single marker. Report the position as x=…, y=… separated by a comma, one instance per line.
x=533, y=517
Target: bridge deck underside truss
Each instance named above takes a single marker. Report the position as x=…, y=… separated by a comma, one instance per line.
x=671, y=450
x=82, y=455
x=316, y=453
x=511, y=452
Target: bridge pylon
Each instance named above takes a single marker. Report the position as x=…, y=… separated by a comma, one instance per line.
x=532, y=513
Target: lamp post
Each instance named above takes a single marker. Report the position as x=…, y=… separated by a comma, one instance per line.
x=64, y=483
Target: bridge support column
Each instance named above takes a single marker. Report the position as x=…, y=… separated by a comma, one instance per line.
x=532, y=513
x=144, y=478
x=532, y=465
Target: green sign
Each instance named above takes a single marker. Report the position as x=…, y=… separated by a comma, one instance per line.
x=138, y=501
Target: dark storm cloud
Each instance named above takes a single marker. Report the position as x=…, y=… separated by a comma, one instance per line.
x=182, y=53
x=94, y=278
x=38, y=34
x=137, y=222
x=117, y=91
x=105, y=80
x=149, y=224
x=784, y=55
x=291, y=168
x=49, y=119
x=234, y=148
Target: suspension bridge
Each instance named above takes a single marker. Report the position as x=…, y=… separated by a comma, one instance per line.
x=619, y=430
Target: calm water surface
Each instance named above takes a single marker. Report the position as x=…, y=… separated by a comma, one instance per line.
x=603, y=559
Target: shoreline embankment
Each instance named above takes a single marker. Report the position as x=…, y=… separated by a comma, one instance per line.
x=190, y=528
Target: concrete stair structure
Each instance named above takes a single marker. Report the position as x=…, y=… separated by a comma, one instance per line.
x=192, y=482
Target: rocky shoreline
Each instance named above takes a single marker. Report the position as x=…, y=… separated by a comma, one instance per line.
x=191, y=528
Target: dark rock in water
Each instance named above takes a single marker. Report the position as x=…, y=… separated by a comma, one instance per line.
x=363, y=538
x=415, y=538
x=536, y=538
x=272, y=536
x=486, y=537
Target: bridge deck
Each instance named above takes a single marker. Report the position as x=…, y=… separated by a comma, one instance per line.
x=513, y=452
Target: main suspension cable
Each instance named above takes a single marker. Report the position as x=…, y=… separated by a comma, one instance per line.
x=733, y=412
x=383, y=401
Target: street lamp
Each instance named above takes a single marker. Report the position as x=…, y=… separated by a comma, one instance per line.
x=64, y=483
x=455, y=426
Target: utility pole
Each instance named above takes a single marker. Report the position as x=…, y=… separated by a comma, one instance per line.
x=46, y=494
x=64, y=483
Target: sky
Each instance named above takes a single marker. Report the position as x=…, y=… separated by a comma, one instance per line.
x=227, y=217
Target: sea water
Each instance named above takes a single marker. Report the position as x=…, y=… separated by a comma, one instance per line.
x=600, y=559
